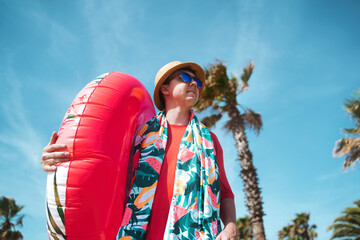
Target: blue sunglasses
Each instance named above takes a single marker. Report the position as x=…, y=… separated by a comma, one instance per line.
x=187, y=78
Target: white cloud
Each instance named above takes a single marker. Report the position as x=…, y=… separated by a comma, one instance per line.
x=111, y=35
x=330, y=175
x=251, y=46
x=60, y=37
x=17, y=131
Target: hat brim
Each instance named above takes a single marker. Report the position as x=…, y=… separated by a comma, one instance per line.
x=196, y=68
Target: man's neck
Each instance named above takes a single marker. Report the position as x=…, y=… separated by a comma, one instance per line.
x=178, y=116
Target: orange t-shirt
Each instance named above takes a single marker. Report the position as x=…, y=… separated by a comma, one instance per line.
x=164, y=191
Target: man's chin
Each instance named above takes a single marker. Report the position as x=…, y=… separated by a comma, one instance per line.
x=192, y=101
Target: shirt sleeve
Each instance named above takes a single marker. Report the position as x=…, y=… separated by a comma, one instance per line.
x=225, y=189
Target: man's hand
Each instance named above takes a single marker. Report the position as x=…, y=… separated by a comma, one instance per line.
x=51, y=154
x=229, y=232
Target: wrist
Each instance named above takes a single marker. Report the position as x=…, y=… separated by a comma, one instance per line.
x=231, y=228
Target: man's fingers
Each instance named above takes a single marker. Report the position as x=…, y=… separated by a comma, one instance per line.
x=53, y=161
x=53, y=147
x=55, y=155
x=53, y=138
x=48, y=168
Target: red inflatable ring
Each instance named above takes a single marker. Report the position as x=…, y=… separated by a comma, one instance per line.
x=85, y=197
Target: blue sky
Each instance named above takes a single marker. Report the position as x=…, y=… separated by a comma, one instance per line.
x=307, y=61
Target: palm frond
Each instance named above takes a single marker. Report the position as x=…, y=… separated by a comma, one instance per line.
x=216, y=87
x=352, y=131
x=284, y=232
x=343, y=232
x=343, y=146
x=20, y=220
x=210, y=121
x=244, y=228
x=245, y=77
x=312, y=233
x=202, y=104
x=9, y=211
x=352, y=106
x=299, y=228
x=252, y=120
x=347, y=219
x=347, y=226
x=349, y=147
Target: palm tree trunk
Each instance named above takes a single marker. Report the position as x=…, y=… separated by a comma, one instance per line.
x=248, y=174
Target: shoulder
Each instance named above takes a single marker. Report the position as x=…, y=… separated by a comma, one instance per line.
x=214, y=139
x=213, y=136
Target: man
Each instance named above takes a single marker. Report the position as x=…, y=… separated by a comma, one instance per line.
x=179, y=189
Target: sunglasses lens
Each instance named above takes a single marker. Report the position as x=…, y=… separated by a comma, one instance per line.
x=187, y=78
x=198, y=82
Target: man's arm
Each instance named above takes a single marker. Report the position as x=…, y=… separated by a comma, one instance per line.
x=227, y=204
x=228, y=217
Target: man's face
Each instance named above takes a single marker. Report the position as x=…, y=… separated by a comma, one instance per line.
x=181, y=93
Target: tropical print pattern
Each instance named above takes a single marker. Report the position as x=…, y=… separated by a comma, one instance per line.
x=194, y=210
x=56, y=182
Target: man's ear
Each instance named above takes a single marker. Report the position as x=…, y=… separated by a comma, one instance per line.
x=164, y=89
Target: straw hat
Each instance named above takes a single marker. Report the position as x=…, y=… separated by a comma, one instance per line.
x=170, y=68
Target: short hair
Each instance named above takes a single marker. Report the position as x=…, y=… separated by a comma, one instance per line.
x=168, y=80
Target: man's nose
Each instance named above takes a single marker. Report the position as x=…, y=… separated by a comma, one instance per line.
x=193, y=83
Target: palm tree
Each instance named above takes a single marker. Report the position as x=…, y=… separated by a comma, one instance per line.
x=347, y=226
x=244, y=228
x=9, y=212
x=220, y=96
x=299, y=229
x=350, y=146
